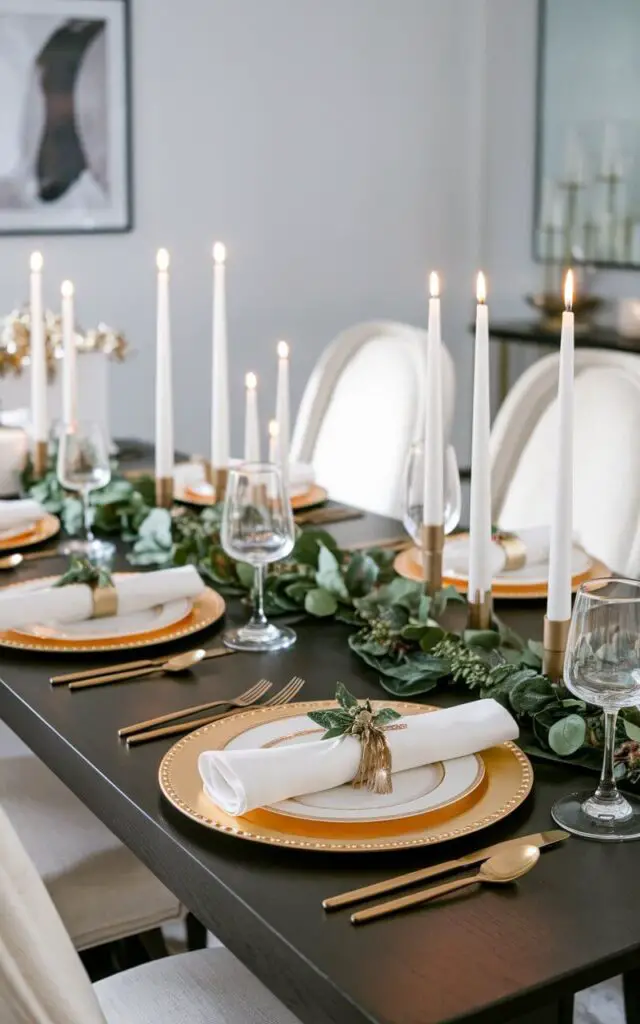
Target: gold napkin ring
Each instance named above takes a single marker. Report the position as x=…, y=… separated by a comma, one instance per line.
x=515, y=551
x=104, y=602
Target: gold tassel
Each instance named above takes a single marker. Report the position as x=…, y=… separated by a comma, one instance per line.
x=374, y=770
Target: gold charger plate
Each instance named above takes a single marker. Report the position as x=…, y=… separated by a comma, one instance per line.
x=314, y=496
x=207, y=609
x=44, y=529
x=405, y=565
x=508, y=775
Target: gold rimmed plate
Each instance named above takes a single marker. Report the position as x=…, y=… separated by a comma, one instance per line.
x=206, y=609
x=38, y=532
x=408, y=564
x=190, y=495
x=503, y=784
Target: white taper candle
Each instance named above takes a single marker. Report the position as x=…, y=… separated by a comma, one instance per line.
x=274, y=447
x=220, y=379
x=39, y=419
x=433, y=512
x=480, y=510
x=164, y=397
x=560, y=547
x=251, y=420
x=69, y=368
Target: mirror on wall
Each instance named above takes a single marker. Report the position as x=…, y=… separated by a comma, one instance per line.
x=587, y=201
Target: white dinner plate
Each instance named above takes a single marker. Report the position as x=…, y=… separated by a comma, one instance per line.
x=190, y=476
x=456, y=565
x=18, y=531
x=415, y=791
x=147, y=621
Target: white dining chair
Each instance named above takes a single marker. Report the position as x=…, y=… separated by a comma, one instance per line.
x=101, y=890
x=361, y=410
x=606, y=511
x=42, y=980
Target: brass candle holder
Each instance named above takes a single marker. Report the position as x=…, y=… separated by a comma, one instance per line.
x=480, y=610
x=218, y=477
x=555, y=637
x=164, y=491
x=432, y=538
x=40, y=459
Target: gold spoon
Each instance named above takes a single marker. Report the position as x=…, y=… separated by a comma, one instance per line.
x=13, y=561
x=498, y=870
x=179, y=663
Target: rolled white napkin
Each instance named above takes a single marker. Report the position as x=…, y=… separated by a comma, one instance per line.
x=22, y=606
x=238, y=781
x=536, y=548
x=14, y=514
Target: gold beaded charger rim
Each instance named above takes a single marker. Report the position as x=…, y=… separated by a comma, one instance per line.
x=43, y=529
x=509, y=779
x=315, y=495
x=207, y=609
x=407, y=564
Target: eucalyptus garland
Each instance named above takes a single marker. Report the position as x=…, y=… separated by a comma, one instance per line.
x=397, y=630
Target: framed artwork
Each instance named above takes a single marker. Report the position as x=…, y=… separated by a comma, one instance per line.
x=65, y=127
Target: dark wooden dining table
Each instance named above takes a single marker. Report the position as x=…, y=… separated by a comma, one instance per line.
x=494, y=955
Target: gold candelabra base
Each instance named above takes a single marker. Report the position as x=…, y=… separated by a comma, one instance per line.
x=40, y=459
x=164, y=491
x=432, y=538
x=480, y=611
x=555, y=637
x=217, y=476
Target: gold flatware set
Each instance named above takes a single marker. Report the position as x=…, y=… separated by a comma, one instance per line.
x=501, y=863
x=144, y=666
x=13, y=561
x=322, y=516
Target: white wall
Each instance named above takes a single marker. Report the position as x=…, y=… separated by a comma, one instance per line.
x=332, y=145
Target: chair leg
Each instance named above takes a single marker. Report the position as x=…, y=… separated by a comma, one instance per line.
x=196, y=934
x=631, y=989
x=153, y=944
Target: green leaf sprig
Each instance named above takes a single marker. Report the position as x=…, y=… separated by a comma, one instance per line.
x=340, y=722
x=81, y=570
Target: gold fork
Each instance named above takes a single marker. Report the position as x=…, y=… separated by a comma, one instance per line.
x=285, y=695
x=249, y=696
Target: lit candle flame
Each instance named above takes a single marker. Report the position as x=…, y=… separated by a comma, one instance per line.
x=162, y=260
x=251, y=381
x=481, y=288
x=434, y=285
x=36, y=262
x=283, y=350
x=568, y=290
x=66, y=289
x=274, y=428
x=219, y=252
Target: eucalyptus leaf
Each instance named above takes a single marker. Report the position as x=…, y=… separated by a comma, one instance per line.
x=386, y=715
x=362, y=572
x=344, y=698
x=329, y=575
x=567, y=735
x=246, y=574
x=320, y=602
x=632, y=731
x=488, y=639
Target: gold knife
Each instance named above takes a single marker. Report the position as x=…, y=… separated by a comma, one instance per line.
x=346, y=899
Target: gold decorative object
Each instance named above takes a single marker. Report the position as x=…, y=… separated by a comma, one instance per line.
x=43, y=529
x=551, y=306
x=15, y=342
x=555, y=644
x=509, y=778
x=104, y=602
x=480, y=611
x=432, y=546
x=207, y=608
x=515, y=550
x=40, y=459
x=164, y=491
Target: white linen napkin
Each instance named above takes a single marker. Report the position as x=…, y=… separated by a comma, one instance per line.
x=14, y=514
x=536, y=541
x=238, y=781
x=22, y=606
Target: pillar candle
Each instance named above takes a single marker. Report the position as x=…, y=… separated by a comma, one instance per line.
x=39, y=420
x=560, y=547
x=164, y=397
x=251, y=420
x=282, y=412
x=69, y=369
x=480, y=511
x=433, y=511
x=274, y=447
x=220, y=379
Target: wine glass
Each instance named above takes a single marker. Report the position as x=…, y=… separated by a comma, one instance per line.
x=602, y=667
x=83, y=466
x=414, y=491
x=257, y=527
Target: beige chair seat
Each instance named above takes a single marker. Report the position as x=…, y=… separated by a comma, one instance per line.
x=101, y=890
x=208, y=987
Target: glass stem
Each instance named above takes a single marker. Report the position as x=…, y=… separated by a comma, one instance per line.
x=258, y=618
x=86, y=512
x=607, y=791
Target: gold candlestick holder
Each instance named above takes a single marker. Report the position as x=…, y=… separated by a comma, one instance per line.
x=432, y=545
x=40, y=459
x=555, y=637
x=164, y=491
x=480, y=610
x=217, y=476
